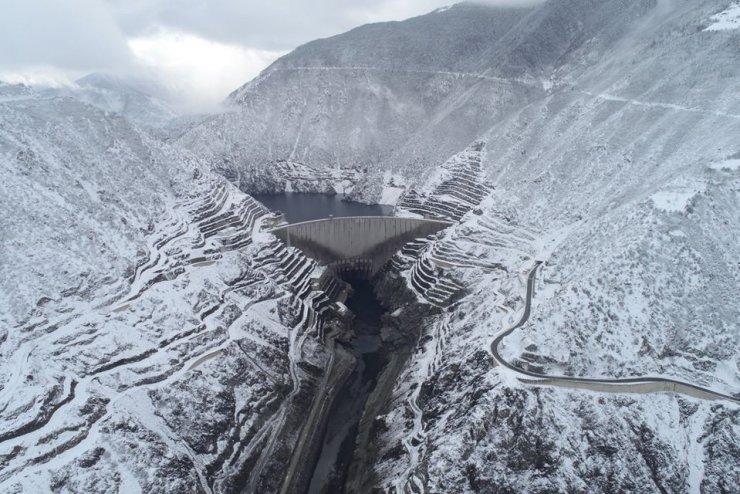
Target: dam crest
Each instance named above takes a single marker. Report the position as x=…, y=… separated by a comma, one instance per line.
x=357, y=243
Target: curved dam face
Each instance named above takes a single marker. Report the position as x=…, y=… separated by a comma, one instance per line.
x=361, y=243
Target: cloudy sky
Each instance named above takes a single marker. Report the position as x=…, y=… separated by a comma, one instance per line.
x=203, y=48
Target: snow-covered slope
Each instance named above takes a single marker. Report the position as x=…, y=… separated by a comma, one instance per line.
x=607, y=131
x=141, y=101
x=356, y=99
x=402, y=96
x=151, y=334
x=622, y=181
x=80, y=184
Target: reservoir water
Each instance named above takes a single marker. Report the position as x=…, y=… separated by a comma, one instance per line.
x=299, y=206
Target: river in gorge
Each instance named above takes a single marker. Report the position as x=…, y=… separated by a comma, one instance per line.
x=339, y=441
x=342, y=426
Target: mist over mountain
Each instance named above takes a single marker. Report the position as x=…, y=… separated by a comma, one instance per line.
x=395, y=95
x=574, y=329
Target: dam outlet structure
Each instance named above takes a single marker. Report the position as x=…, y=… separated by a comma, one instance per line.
x=360, y=244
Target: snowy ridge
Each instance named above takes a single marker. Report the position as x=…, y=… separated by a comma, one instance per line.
x=222, y=297
x=88, y=346
x=726, y=20
x=154, y=337
x=437, y=367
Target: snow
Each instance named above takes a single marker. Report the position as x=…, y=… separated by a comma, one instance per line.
x=728, y=165
x=577, y=171
x=726, y=20
x=677, y=197
x=546, y=244
x=672, y=200
x=391, y=195
x=142, y=320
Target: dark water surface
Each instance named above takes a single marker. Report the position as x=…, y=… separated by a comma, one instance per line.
x=339, y=442
x=299, y=206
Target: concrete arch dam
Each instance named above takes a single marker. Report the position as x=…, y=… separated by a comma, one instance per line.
x=360, y=243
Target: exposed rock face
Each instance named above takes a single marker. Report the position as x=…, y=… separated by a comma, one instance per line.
x=288, y=176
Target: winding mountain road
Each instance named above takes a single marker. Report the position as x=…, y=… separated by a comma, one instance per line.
x=623, y=385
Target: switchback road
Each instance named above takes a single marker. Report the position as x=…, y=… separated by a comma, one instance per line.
x=624, y=385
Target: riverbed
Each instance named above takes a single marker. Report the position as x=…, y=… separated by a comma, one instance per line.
x=341, y=431
x=338, y=443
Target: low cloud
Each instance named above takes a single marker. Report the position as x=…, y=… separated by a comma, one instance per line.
x=204, y=48
x=201, y=71
x=74, y=34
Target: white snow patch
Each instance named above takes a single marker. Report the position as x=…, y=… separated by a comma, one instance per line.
x=676, y=198
x=727, y=372
x=695, y=448
x=733, y=164
x=391, y=195
x=672, y=201
x=546, y=244
x=727, y=19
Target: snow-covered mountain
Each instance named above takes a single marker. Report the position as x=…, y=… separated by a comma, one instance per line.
x=146, y=324
x=140, y=100
x=609, y=134
x=155, y=337
x=402, y=96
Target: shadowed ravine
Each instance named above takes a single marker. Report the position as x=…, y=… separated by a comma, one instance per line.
x=342, y=425
x=339, y=441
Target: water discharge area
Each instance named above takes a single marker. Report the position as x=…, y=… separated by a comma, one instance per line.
x=330, y=474
x=336, y=455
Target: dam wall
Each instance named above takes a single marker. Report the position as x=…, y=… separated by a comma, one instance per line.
x=363, y=243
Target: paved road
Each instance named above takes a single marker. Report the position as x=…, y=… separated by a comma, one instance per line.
x=625, y=385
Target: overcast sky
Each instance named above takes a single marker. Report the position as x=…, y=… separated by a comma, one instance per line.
x=204, y=48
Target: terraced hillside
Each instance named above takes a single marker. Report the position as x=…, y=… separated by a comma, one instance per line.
x=155, y=337
x=188, y=370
